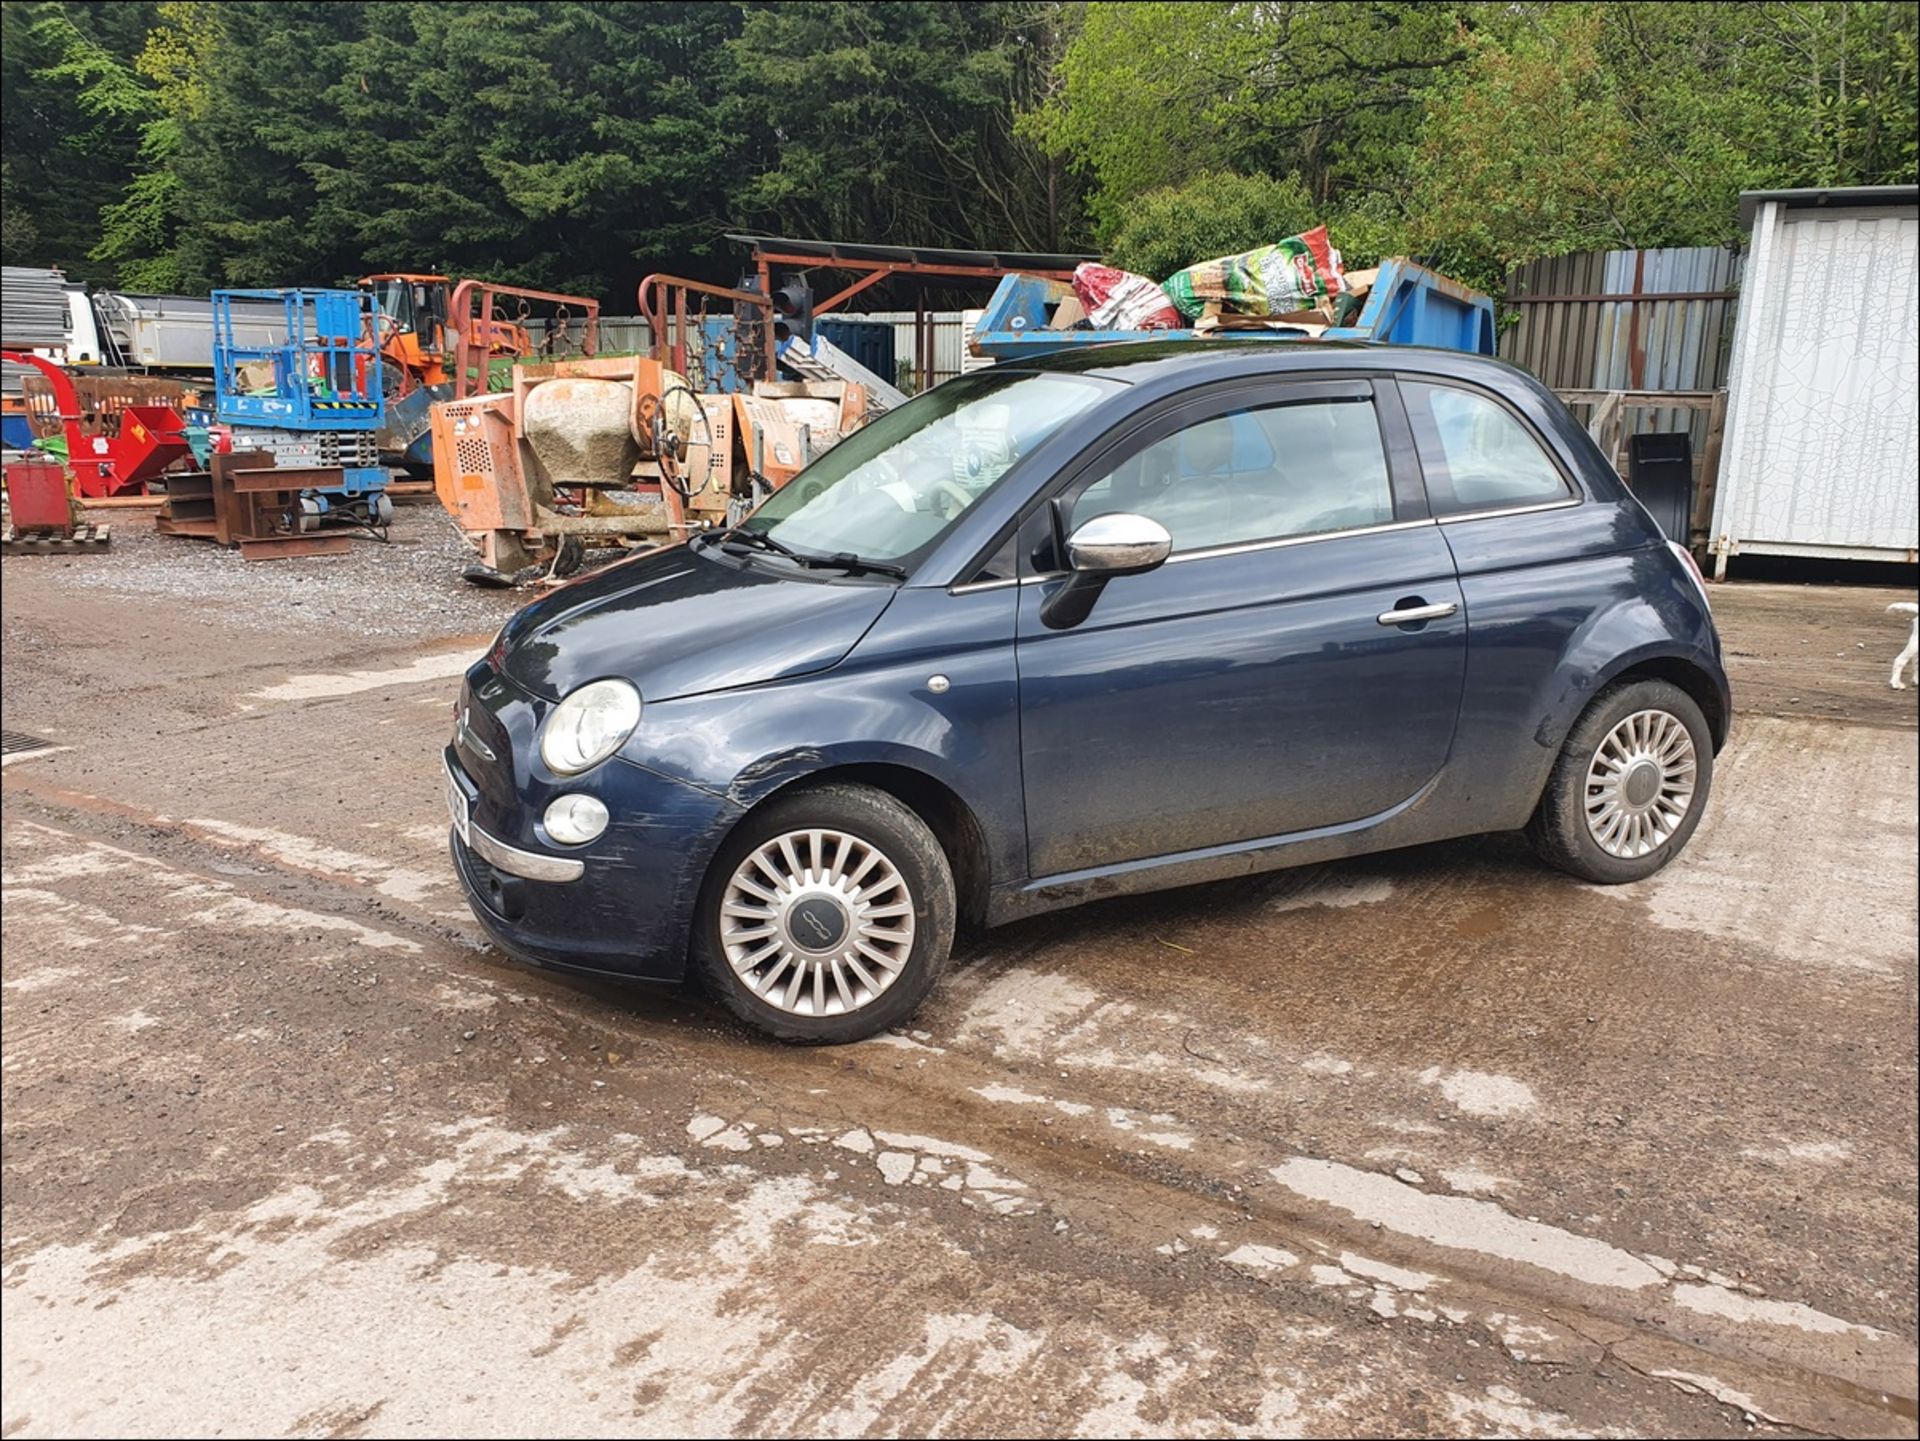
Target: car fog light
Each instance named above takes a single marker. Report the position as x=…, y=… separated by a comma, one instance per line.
x=575, y=820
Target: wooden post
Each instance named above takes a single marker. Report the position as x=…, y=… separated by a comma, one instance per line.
x=1702, y=521
x=922, y=368
x=1604, y=427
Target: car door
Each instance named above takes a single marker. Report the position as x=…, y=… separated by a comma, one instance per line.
x=1254, y=684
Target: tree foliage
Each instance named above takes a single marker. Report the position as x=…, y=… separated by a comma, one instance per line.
x=70, y=128
x=1575, y=127
x=895, y=121
x=577, y=144
x=1486, y=134
x=1214, y=213
x=1153, y=94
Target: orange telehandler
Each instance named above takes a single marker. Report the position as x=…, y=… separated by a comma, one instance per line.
x=434, y=330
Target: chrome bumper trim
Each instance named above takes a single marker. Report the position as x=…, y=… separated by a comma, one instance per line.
x=515, y=862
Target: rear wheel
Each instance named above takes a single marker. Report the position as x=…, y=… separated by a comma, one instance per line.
x=827, y=916
x=1629, y=787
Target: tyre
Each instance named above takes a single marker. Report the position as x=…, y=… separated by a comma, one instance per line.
x=827, y=916
x=1629, y=786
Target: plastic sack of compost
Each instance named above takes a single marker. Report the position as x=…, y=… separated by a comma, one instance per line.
x=1297, y=274
x=1120, y=300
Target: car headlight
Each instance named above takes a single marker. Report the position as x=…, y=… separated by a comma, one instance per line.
x=589, y=725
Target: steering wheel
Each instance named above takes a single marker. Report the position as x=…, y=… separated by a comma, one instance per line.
x=955, y=492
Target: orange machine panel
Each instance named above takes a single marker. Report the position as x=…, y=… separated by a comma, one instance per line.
x=476, y=468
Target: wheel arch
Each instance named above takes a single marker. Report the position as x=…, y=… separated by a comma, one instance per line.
x=1690, y=676
x=945, y=812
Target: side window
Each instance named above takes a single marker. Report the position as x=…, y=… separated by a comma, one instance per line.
x=1475, y=454
x=1262, y=473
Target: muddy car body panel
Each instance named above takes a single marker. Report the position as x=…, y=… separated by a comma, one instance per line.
x=1241, y=706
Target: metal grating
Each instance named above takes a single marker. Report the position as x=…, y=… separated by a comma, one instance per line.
x=15, y=743
x=473, y=455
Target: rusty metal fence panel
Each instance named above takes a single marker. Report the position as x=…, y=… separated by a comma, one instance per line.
x=1625, y=319
x=621, y=334
x=1633, y=320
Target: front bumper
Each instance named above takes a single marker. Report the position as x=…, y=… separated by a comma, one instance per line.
x=530, y=865
x=630, y=909
x=623, y=903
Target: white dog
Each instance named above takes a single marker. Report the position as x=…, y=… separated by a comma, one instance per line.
x=1905, y=658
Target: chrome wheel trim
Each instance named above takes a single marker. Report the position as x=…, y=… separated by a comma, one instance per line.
x=1640, y=784
x=817, y=873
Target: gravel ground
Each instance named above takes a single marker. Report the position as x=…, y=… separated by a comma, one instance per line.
x=409, y=588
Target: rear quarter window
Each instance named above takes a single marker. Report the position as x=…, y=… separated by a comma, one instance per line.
x=1476, y=454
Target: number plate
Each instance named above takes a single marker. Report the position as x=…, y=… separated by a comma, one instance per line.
x=457, y=809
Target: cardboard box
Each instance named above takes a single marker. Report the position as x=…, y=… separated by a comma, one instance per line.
x=1311, y=322
x=1067, y=314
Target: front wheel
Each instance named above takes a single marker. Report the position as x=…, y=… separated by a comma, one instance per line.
x=1629, y=786
x=827, y=916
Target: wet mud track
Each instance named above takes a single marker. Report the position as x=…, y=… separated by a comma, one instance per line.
x=1430, y=1142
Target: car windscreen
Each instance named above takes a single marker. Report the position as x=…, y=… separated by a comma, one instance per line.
x=891, y=490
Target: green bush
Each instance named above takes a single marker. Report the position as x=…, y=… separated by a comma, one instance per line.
x=1214, y=213
x=1367, y=230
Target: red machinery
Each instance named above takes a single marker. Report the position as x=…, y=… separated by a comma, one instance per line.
x=37, y=495
x=46, y=517
x=481, y=331
x=151, y=438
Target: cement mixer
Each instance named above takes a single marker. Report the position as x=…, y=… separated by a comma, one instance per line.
x=620, y=442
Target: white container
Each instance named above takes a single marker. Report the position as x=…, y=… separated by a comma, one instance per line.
x=1822, y=413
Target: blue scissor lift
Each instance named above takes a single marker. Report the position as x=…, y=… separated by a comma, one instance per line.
x=312, y=402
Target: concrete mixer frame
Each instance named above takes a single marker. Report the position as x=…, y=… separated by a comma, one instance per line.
x=487, y=476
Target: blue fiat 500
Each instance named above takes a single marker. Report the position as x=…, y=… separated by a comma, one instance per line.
x=1139, y=617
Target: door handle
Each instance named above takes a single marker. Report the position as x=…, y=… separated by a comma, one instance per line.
x=1414, y=614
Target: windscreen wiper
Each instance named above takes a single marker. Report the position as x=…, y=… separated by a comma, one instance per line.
x=760, y=540
x=844, y=560
x=856, y=565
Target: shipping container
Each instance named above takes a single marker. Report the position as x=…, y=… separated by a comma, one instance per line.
x=1821, y=449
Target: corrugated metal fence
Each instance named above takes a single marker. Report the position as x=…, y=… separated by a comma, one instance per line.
x=1628, y=320
x=619, y=334
x=947, y=325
